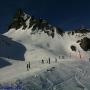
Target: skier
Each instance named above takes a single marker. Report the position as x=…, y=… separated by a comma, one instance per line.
x=55, y=60
x=42, y=61
x=29, y=66
x=62, y=57
x=59, y=57
x=79, y=54
x=49, y=60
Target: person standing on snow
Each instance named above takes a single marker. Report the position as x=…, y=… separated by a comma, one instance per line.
x=62, y=57
x=29, y=65
x=42, y=61
x=59, y=57
x=49, y=60
x=55, y=60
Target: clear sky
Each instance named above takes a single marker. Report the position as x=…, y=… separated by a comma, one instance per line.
x=67, y=14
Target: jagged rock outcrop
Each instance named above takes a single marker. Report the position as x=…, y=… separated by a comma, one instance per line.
x=82, y=31
x=73, y=48
x=85, y=43
x=18, y=20
x=37, y=24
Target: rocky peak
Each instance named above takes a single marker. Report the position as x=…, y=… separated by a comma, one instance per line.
x=18, y=20
x=19, y=13
x=37, y=24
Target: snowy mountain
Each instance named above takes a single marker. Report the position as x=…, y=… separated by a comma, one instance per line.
x=31, y=39
x=38, y=34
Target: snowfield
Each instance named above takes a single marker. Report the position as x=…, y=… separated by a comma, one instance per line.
x=64, y=75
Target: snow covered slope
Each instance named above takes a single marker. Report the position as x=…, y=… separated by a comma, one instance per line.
x=39, y=40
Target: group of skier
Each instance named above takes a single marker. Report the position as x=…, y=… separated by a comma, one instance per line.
x=48, y=61
x=43, y=61
x=28, y=66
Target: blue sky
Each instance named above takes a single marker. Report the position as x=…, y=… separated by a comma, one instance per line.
x=67, y=14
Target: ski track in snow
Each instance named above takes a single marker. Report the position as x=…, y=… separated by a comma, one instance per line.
x=79, y=83
x=37, y=68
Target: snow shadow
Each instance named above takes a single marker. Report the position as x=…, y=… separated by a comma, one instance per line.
x=11, y=49
x=4, y=63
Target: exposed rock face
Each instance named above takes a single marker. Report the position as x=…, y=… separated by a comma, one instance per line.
x=85, y=44
x=18, y=20
x=73, y=48
x=82, y=31
x=37, y=24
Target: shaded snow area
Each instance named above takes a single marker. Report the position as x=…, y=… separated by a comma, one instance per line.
x=11, y=49
x=4, y=63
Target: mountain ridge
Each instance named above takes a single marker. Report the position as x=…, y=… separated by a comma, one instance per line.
x=21, y=19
